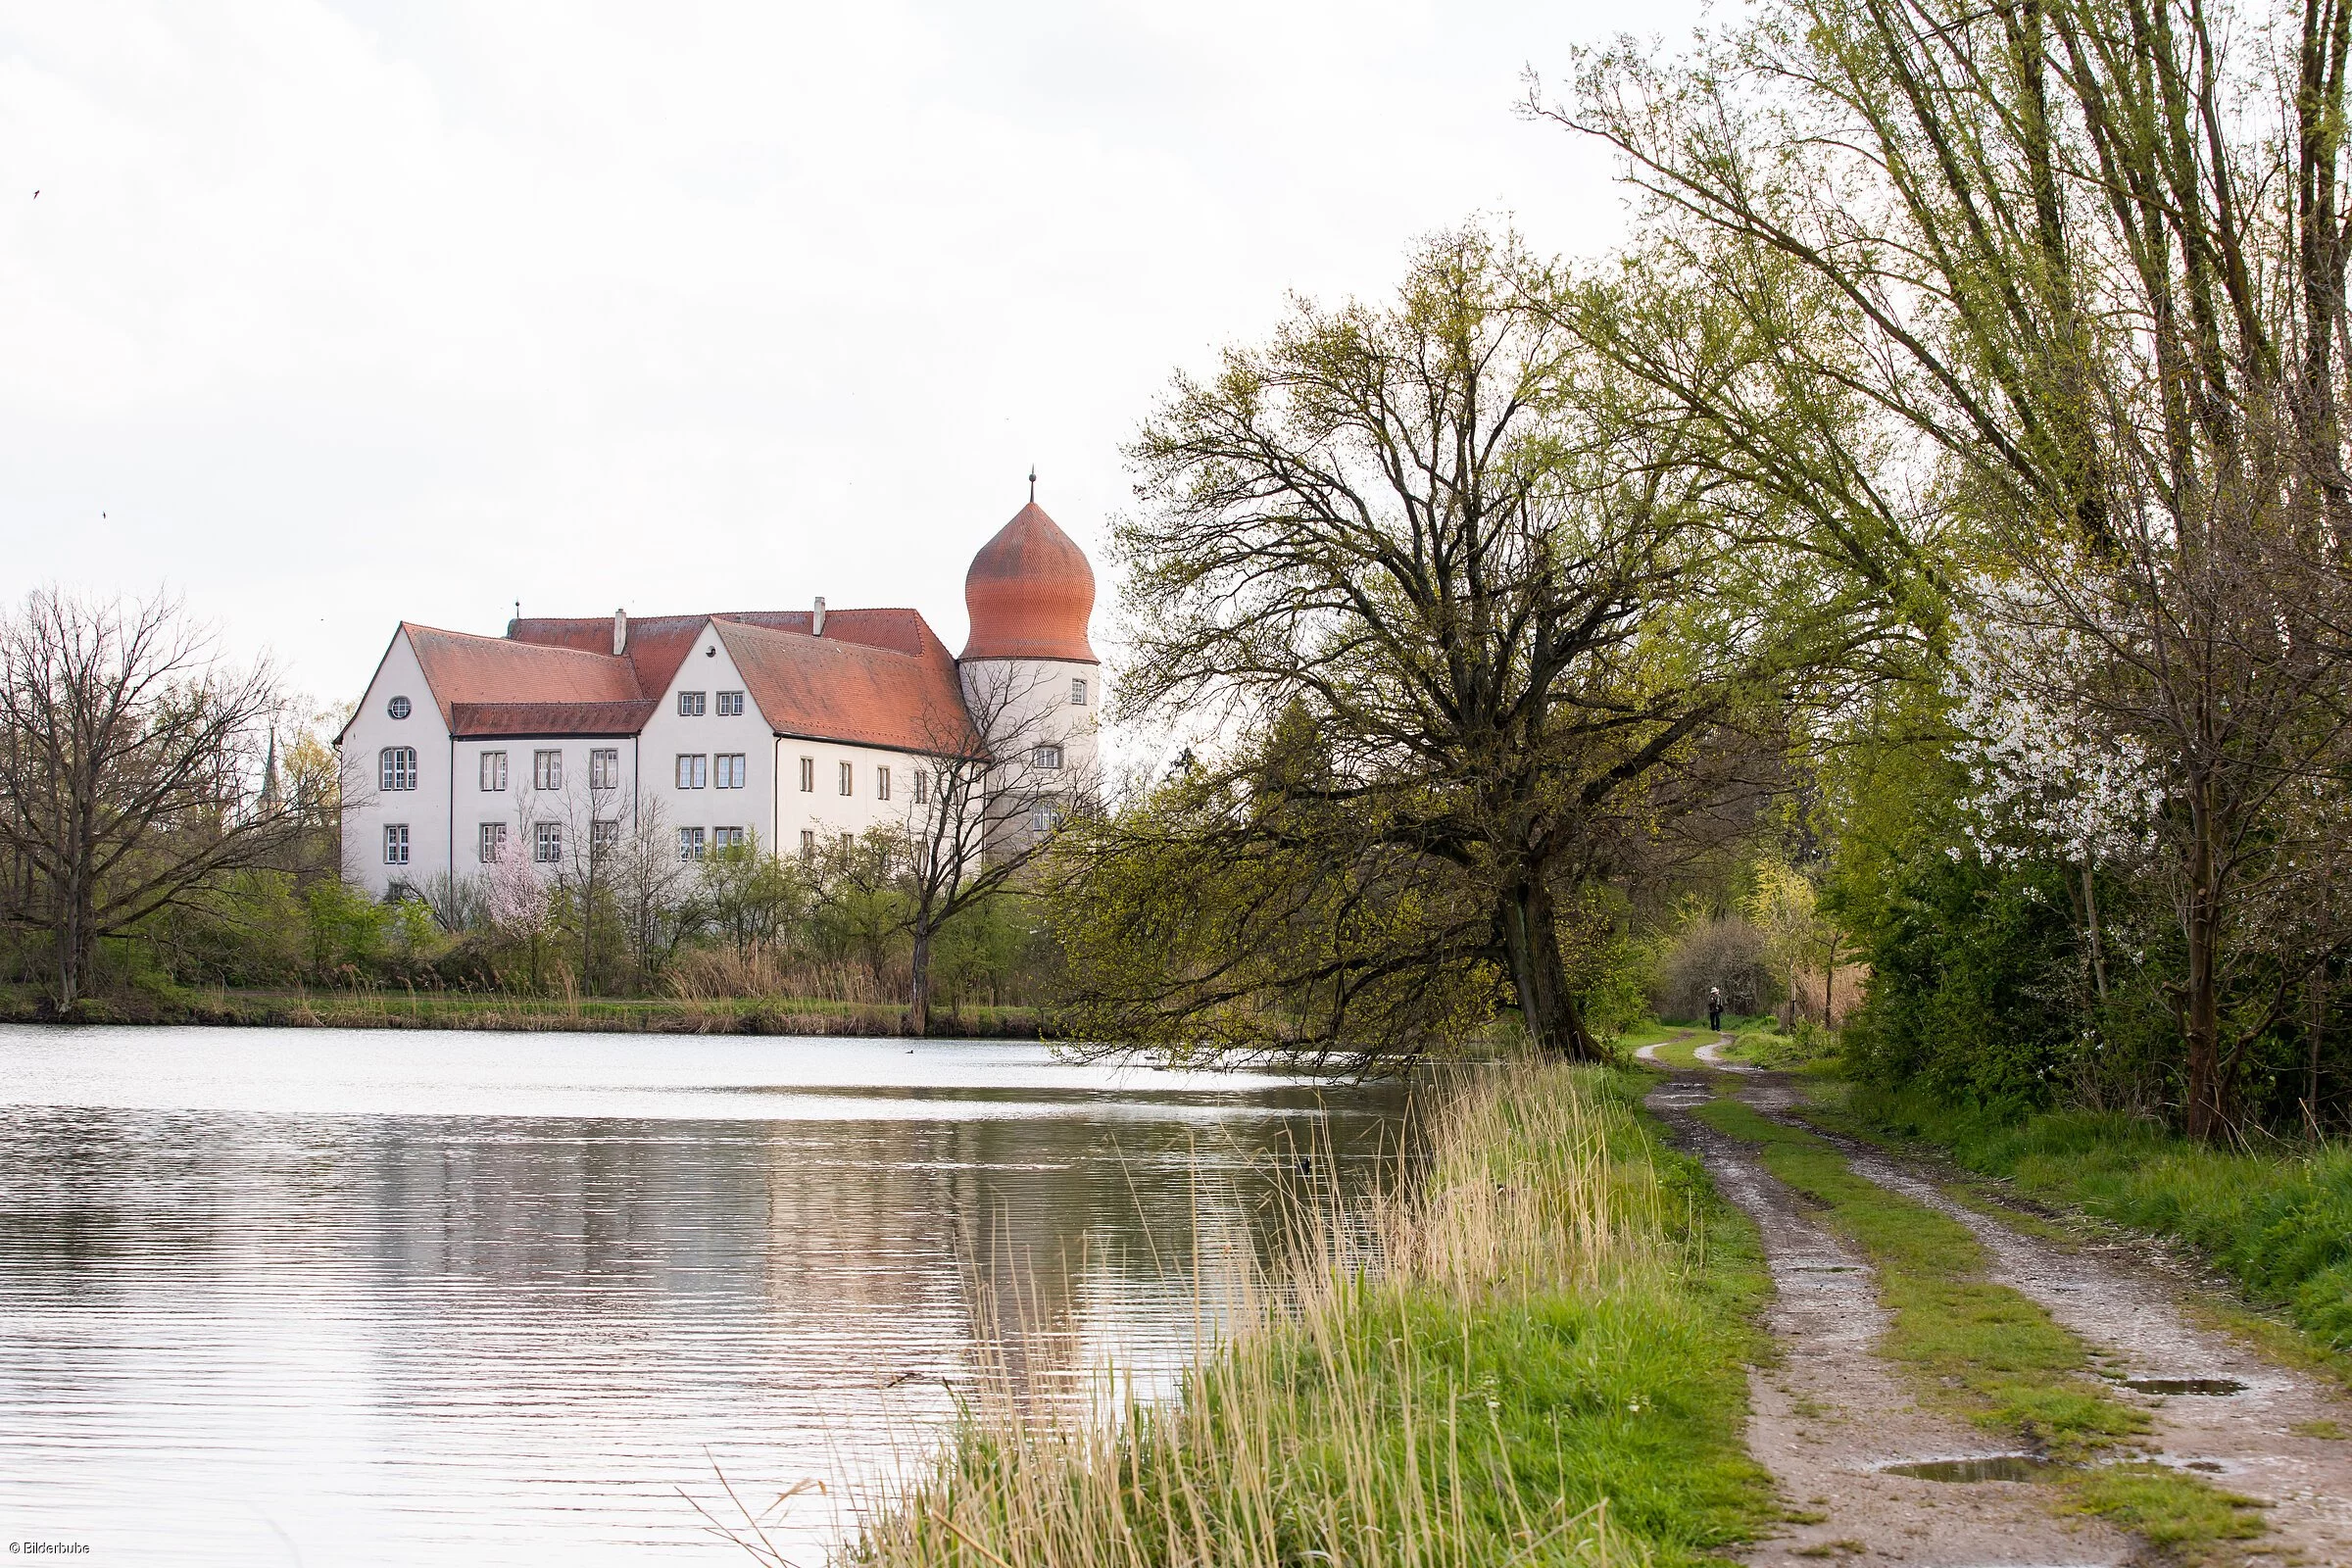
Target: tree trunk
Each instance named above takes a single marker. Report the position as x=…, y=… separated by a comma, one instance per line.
x=1531, y=942
x=2201, y=1021
x=2319, y=1021
x=2091, y=916
x=918, y=996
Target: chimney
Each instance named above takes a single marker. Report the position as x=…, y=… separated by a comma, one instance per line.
x=816, y=627
x=620, y=633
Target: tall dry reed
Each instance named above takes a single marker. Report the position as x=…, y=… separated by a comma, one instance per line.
x=1363, y=1411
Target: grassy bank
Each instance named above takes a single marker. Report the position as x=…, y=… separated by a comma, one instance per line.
x=454, y=1010
x=1547, y=1364
x=2278, y=1222
x=1991, y=1354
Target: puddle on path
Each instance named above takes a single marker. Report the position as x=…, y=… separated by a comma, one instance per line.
x=1985, y=1467
x=2185, y=1385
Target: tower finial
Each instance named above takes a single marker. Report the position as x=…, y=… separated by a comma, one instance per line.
x=1033, y=484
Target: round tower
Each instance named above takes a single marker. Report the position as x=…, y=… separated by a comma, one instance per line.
x=1030, y=675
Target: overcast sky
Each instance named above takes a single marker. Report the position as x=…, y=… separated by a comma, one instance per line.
x=331, y=316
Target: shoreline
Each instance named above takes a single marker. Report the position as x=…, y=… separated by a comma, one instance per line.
x=316, y=1010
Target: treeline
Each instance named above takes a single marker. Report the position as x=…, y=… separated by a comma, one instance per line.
x=1942, y=494
x=169, y=819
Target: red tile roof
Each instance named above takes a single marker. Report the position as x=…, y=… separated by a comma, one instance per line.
x=876, y=678
x=471, y=676
x=827, y=688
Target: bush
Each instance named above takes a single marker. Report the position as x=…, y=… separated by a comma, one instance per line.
x=1725, y=951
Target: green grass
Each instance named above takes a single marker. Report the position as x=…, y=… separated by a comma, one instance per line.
x=1990, y=1353
x=1548, y=1366
x=2278, y=1222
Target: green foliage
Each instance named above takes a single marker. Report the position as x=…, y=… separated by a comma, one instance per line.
x=1237, y=914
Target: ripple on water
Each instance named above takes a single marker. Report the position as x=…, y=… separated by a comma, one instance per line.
x=361, y=1297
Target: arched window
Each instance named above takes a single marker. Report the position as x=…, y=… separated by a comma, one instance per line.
x=396, y=768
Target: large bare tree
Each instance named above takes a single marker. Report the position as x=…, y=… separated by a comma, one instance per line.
x=1516, y=609
x=131, y=763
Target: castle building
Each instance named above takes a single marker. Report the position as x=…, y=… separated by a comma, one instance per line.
x=791, y=726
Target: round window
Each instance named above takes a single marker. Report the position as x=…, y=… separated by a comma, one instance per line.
x=398, y=708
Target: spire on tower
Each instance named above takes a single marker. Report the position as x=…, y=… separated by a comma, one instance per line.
x=1033, y=484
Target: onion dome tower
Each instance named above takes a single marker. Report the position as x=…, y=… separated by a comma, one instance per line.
x=1031, y=593
x=1030, y=675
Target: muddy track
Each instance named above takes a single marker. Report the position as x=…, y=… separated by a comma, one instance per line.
x=2130, y=1302
x=1831, y=1413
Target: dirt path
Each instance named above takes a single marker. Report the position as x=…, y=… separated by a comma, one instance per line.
x=1832, y=1413
x=2127, y=1302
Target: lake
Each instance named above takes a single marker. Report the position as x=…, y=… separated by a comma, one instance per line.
x=329, y=1297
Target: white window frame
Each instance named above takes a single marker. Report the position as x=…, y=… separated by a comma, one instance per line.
x=730, y=705
x=547, y=843
x=1077, y=691
x=808, y=775
x=494, y=772
x=691, y=842
x=604, y=767
x=725, y=838
x=1046, y=757
x=882, y=783
x=547, y=769
x=603, y=835
x=923, y=786
x=849, y=778
x=396, y=769
x=396, y=843
x=691, y=704
x=727, y=770
x=491, y=844
x=807, y=844
x=694, y=771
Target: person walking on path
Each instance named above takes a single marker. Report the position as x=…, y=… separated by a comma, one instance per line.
x=1715, y=1008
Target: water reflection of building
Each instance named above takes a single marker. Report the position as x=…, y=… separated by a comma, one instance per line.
x=439, y=1326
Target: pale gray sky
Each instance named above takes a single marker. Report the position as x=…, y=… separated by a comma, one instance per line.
x=328, y=315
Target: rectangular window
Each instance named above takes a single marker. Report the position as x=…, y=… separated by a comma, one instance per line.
x=547, y=771
x=849, y=842
x=494, y=843
x=603, y=834
x=1043, y=819
x=694, y=772
x=726, y=838
x=690, y=844
x=1077, y=692
x=1045, y=756
x=807, y=845
x=494, y=771
x=396, y=844
x=922, y=785
x=690, y=705
x=396, y=768
x=849, y=780
x=730, y=705
x=727, y=770
x=546, y=841
x=604, y=768
x=808, y=775
x=881, y=783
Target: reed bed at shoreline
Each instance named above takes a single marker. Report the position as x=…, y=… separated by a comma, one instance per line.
x=1530, y=1352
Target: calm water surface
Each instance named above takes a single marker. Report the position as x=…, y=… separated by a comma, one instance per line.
x=327, y=1298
